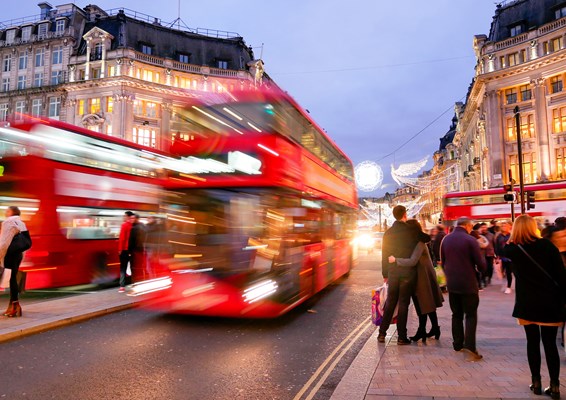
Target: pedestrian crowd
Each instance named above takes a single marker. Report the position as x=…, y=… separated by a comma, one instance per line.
x=467, y=257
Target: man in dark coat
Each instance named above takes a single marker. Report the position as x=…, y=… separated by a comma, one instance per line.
x=399, y=241
x=460, y=255
x=136, y=246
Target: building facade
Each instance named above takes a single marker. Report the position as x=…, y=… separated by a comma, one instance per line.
x=521, y=63
x=117, y=72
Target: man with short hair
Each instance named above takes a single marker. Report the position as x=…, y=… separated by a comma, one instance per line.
x=398, y=241
x=460, y=254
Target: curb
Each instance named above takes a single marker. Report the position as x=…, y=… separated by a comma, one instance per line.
x=357, y=379
x=64, y=321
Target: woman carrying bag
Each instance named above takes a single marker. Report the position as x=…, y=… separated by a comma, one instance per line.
x=14, y=240
x=540, y=298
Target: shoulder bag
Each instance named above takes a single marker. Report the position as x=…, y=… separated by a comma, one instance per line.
x=547, y=274
x=20, y=243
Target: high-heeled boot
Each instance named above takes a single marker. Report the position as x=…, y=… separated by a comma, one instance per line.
x=421, y=334
x=16, y=310
x=553, y=390
x=536, y=386
x=434, y=331
x=9, y=309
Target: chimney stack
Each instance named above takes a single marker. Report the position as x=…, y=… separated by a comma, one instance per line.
x=45, y=9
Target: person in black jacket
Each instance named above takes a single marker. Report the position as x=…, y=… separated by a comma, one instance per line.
x=540, y=296
x=460, y=255
x=398, y=241
x=136, y=246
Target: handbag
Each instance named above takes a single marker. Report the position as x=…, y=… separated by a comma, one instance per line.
x=548, y=276
x=20, y=243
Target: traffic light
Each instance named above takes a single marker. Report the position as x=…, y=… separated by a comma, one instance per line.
x=509, y=195
x=530, y=200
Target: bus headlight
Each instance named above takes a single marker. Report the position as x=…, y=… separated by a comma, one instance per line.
x=259, y=291
x=145, y=287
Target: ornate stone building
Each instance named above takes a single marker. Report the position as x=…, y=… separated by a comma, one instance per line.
x=522, y=62
x=118, y=72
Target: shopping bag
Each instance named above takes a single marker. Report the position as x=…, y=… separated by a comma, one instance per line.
x=5, y=278
x=129, y=269
x=379, y=298
x=440, y=275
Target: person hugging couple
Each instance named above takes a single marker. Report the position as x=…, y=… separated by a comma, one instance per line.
x=408, y=270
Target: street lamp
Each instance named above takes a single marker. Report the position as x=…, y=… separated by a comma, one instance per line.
x=520, y=157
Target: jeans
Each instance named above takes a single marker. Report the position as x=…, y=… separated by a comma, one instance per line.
x=401, y=284
x=464, y=306
x=125, y=258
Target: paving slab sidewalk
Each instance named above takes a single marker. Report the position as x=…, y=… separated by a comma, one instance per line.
x=41, y=316
x=435, y=371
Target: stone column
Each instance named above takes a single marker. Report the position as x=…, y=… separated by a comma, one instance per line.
x=122, y=119
x=165, y=129
x=494, y=139
x=103, y=65
x=541, y=129
x=87, y=65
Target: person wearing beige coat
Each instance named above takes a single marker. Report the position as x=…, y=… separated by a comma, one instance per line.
x=428, y=296
x=11, y=226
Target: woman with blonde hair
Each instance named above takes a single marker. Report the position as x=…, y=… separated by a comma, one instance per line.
x=540, y=297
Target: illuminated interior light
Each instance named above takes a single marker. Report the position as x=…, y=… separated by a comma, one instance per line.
x=259, y=291
x=70, y=210
x=244, y=163
x=268, y=149
x=193, y=271
x=60, y=153
x=217, y=119
x=182, y=243
x=232, y=113
x=187, y=255
x=182, y=220
x=198, y=178
x=261, y=246
x=255, y=127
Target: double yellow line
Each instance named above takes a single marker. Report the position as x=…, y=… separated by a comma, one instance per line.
x=345, y=345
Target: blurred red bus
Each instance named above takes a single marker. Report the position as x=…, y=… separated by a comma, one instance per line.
x=73, y=186
x=485, y=205
x=262, y=218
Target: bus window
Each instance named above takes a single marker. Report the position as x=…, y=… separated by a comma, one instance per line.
x=89, y=223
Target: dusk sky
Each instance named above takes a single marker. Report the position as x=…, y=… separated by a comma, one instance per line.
x=371, y=73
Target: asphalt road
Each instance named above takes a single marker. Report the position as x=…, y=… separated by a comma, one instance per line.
x=138, y=354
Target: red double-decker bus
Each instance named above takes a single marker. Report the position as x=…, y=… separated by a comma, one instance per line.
x=262, y=216
x=73, y=186
x=485, y=205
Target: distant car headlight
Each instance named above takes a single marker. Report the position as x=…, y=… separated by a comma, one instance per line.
x=366, y=241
